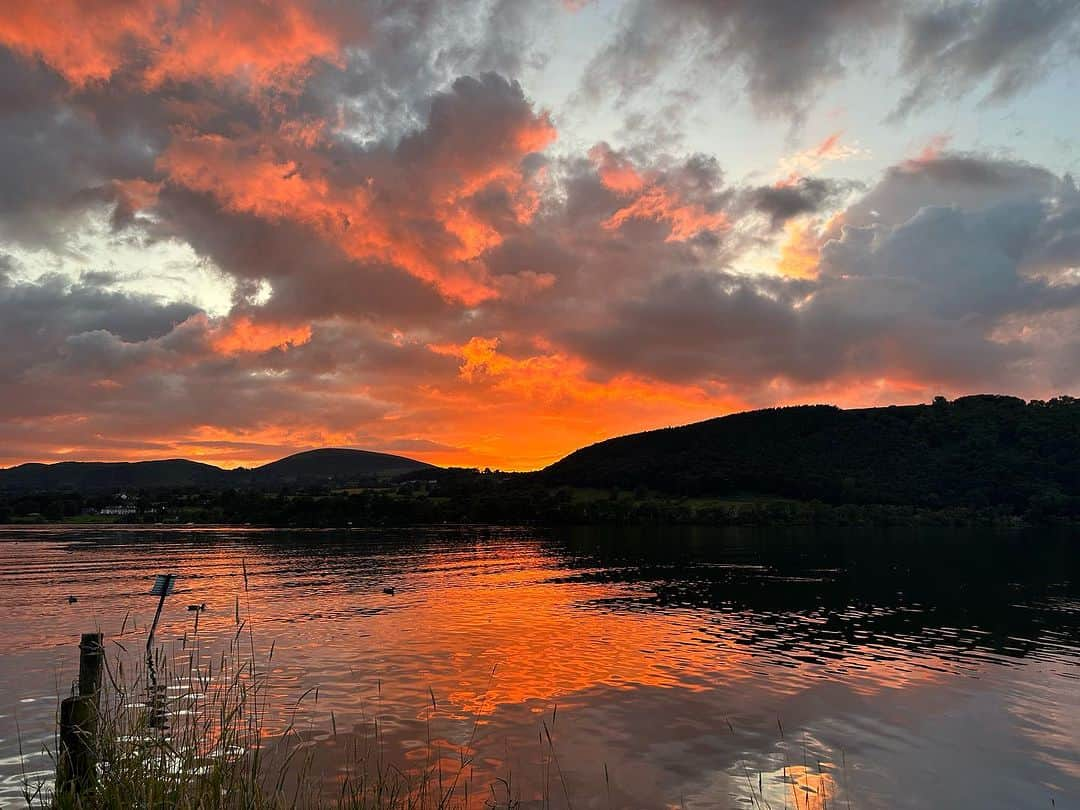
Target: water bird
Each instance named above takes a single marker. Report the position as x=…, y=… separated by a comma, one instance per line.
x=197, y=608
x=72, y=600
x=389, y=591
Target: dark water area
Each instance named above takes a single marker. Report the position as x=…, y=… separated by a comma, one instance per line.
x=700, y=667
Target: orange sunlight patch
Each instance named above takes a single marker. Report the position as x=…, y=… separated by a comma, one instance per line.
x=524, y=413
x=242, y=334
x=799, y=252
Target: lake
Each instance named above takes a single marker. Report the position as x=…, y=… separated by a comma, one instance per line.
x=697, y=668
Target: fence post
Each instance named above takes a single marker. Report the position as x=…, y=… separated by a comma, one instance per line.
x=76, y=765
x=91, y=660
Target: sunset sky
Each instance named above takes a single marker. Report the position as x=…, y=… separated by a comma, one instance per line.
x=485, y=233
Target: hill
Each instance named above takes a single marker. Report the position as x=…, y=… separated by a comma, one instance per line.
x=101, y=475
x=334, y=464
x=315, y=466
x=975, y=451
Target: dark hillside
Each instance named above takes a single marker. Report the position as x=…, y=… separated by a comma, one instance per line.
x=975, y=451
x=333, y=464
x=314, y=467
x=88, y=476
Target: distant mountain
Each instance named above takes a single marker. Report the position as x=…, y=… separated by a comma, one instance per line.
x=84, y=476
x=333, y=464
x=974, y=451
x=313, y=467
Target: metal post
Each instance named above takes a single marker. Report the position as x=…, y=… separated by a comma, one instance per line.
x=157, y=616
x=163, y=586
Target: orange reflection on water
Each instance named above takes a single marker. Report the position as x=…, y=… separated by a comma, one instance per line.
x=511, y=625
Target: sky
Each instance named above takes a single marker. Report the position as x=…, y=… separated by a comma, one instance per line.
x=488, y=232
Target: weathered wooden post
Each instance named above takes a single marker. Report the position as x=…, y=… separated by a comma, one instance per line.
x=76, y=765
x=91, y=662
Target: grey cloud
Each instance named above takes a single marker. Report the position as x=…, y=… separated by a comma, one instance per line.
x=45, y=321
x=55, y=162
x=966, y=181
x=943, y=293
x=785, y=49
x=132, y=366
x=809, y=196
x=311, y=277
x=951, y=48
x=415, y=49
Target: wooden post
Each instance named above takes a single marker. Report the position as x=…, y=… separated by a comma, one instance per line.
x=91, y=660
x=76, y=765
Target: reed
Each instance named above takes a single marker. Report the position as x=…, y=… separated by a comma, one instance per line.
x=188, y=730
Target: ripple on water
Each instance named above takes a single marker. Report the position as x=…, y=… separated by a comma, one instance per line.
x=692, y=668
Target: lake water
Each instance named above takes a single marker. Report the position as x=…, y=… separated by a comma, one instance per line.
x=700, y=668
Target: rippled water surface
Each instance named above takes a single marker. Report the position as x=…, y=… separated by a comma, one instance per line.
x=700, y=668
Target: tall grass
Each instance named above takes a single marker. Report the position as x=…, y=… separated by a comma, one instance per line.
x=189, y=731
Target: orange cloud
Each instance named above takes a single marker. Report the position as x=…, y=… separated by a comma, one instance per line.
x=654, y=199
x=661, y=205
x=798, y=165
x=263, y=42
x=416, y=214
x=242, y=334
x=930, y=152
x=616, y=172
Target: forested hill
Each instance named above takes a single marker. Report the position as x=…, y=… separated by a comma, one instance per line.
x=325, y=466
x=975, y=451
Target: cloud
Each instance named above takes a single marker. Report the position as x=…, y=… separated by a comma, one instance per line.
x=416, y=206
x=408, y=255
x=808, y=195
x=915, y=283
x=787, y=51
x=955, y=47
x=167, y=41
x=963, y=180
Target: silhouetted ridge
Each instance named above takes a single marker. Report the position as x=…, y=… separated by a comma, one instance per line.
x=101, y=475
x=335, y=464
x=975, y=451
x=316, y=466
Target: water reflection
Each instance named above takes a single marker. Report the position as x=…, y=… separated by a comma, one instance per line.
x=705, y=668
